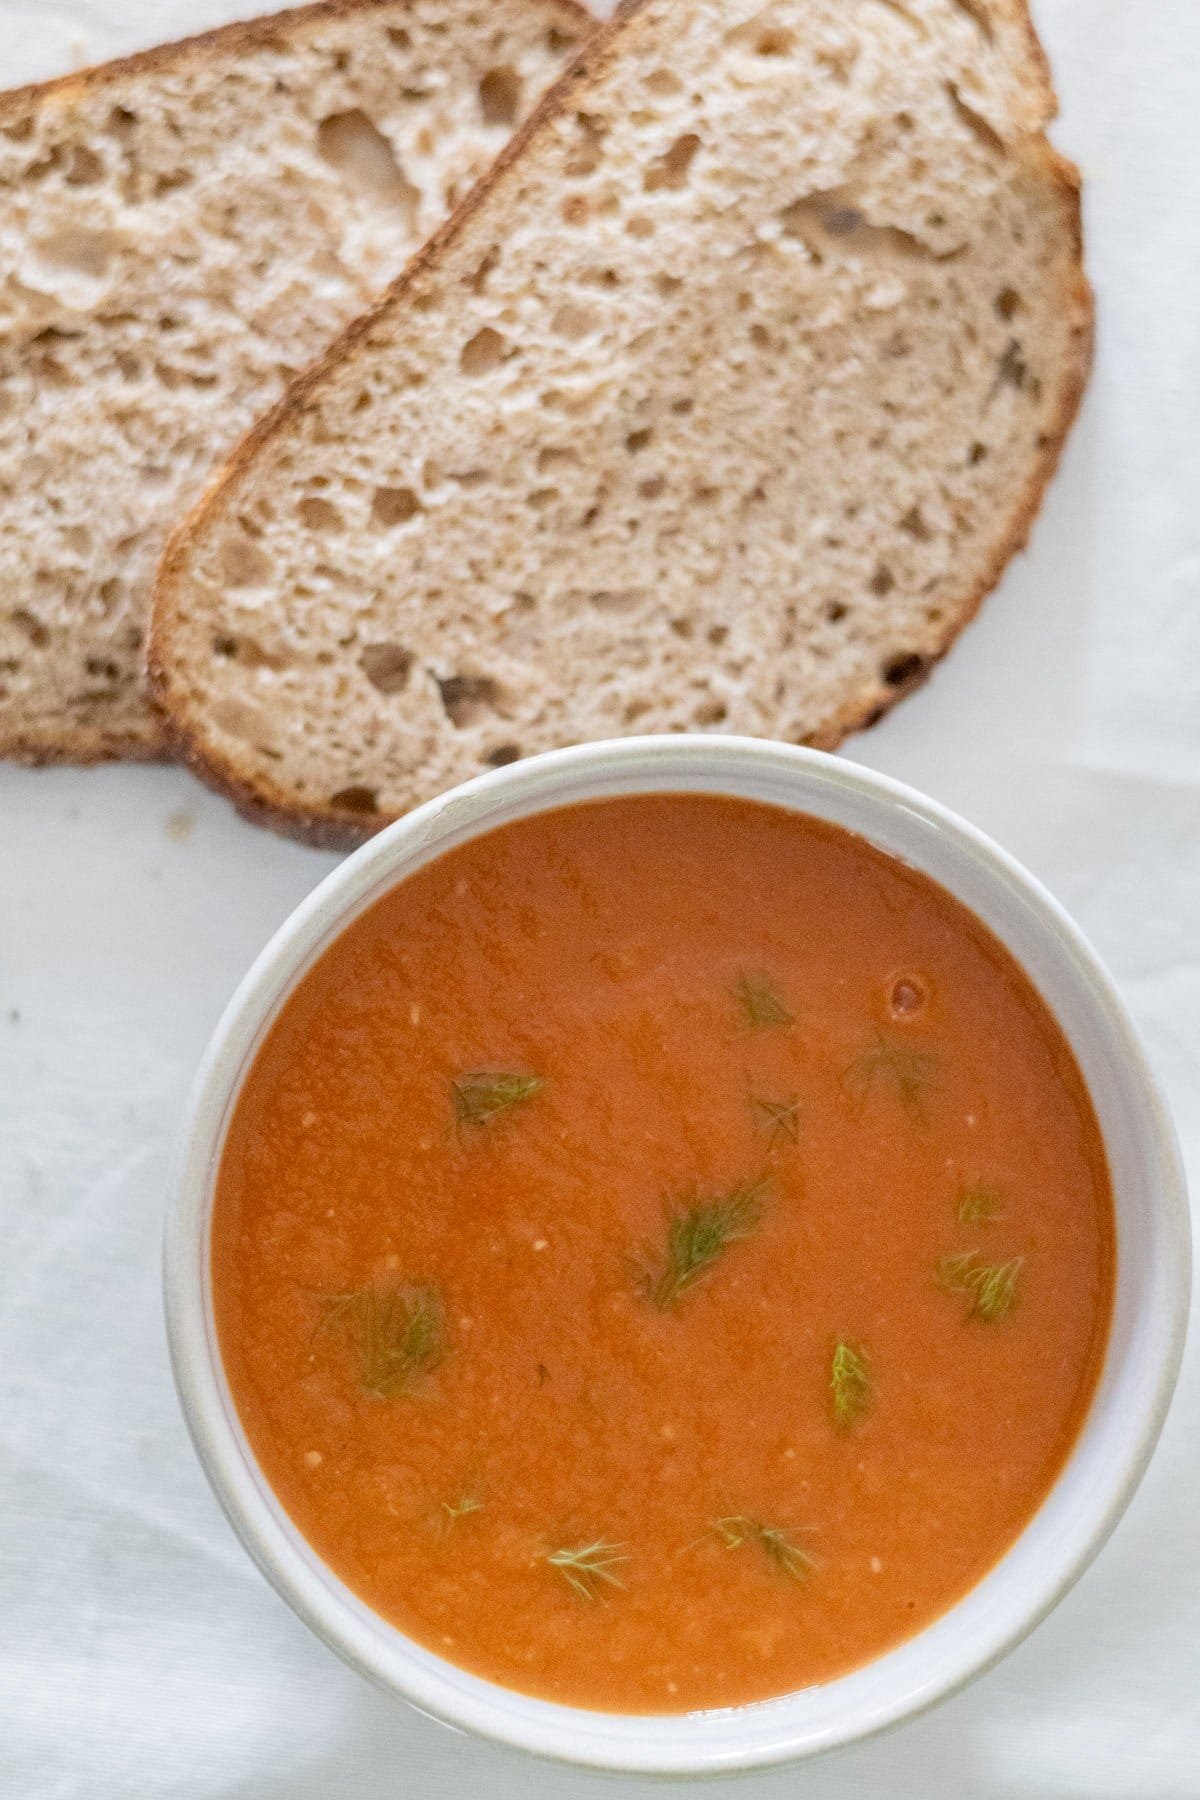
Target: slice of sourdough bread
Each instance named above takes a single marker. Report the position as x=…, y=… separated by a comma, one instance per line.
x=179, y=233
x=721, y=404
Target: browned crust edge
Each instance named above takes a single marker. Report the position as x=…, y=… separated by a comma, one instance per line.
x=81, y=747
x=85, y=746
x=242, y=35
x=325, y=829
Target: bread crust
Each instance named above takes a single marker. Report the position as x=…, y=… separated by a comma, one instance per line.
x=243, y=36
x=263, y=803
x=152, y=741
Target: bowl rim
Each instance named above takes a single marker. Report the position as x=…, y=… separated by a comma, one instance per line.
x=991, y=1618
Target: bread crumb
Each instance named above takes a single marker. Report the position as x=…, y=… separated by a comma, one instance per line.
x=541, y=1243
x=313, y=1458
x=180, y=826
x=414, y=1014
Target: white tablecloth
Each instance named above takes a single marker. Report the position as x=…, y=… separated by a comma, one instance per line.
x=140, y=1653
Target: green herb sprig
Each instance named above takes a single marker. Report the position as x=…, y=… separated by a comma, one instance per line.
x=451, y=1511
x=777, y=1119
x=909, y=1071
x=698, y=1235
x=979, y=1203
x=849, y=1383
x=762, y=1006
x=482, y=1096
x=588, y=1568
x=777, y=1543
x=990, y=1288
x=399, y=1333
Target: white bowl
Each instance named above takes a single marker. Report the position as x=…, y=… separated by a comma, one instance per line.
x=1146, y=1342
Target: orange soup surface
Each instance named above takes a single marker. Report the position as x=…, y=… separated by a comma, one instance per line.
x=663, y=1253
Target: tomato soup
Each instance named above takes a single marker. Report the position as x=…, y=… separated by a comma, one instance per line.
x=663, y=1253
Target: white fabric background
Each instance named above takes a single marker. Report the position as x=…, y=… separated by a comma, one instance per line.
x=140, y=1653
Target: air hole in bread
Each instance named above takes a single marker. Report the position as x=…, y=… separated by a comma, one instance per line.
x=978, y=14
x=243, y=564
x=574, y=322
x=502, y=755
x=683, y=627
x=51, y=373
x=638, y=440
x=902, y=12
x=653, y=488
x=717, y=634
x=903, y=669
x=882, y=581
x=121, y=122
x=558, y=40
x=706, y=495
x=386, y=666
x=976, y=453
x=761, y=39
x=541, y=498
x=78, y=539
x=670, y=170
x=170, y=181
x=616, y=600
x=663, y=82
x=77, y=251
x=667, y=285
x=500, y=96
x=357, y=151
x=398, y=37
x=85, y=168
x=482, y=353
x=838, y=60
x=251, y=654
x=681, y=408
x=318, y=515
x=555, y=456
x=1007, y=302
x=586, y=160
x=394, y=506
x=241, y=719
x=479, y=279
x=112, y=592
x=835, y=611
x=976, y=123
x=469, y=699
x=575, y=210
x=639, y=226
x=914, y=523
x=359, y=800
x=32, y=626
x=710, y=712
